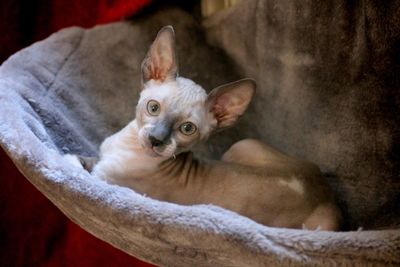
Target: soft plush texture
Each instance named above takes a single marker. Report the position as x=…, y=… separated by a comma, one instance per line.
x=26, y=239
x=328, y=72
x=68, y=92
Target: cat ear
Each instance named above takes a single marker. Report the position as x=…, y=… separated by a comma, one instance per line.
x=160, y=63
x=228, y=102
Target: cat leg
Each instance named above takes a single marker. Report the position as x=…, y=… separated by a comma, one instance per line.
x=81, y=161
x=88, y=163
x=253, y=152
x=325, y=217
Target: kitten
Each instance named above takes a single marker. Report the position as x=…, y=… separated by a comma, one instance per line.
x=152, y=154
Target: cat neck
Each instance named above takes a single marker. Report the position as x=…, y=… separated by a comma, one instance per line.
x=126, y=162
x=122, y=153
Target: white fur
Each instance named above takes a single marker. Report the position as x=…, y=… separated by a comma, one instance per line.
x=293, y=184
x=181, y=88
x=182, y=98
x=122, y=158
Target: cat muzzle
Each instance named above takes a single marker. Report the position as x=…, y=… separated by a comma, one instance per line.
x=160, y=134
x=155, y=142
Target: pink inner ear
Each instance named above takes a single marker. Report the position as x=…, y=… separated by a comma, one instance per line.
x=230, y=101
x=228, y=108
x=218, y=111
x=160, y=63
x=220, y=105
x=160, y=66
x=223, y=101
x=221, y=109
x=157, y=73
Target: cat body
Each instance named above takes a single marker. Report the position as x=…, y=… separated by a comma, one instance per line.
x=152, y=154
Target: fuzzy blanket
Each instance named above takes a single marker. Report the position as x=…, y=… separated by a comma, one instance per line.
x=68, y=92
x=328, y=72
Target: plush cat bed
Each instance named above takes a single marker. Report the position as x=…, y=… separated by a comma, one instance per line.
x=68, y=92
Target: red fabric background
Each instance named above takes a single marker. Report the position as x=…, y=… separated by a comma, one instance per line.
x=33, y=232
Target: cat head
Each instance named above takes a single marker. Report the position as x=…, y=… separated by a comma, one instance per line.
x=174, y=113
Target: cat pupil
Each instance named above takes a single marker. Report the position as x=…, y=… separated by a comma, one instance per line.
x=153, y=107
x=188, y=128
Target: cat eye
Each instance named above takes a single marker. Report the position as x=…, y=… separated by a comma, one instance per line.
x=188, y=128
x=153, y=108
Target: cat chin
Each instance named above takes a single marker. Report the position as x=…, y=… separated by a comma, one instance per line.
x=155, y=152
x=150, y=152
x=165, y=152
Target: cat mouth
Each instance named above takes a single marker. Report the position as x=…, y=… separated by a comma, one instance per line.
x=155, y=151
x=165, y=150
x=151, y=151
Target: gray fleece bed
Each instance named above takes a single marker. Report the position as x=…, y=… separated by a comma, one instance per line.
x=68, y=92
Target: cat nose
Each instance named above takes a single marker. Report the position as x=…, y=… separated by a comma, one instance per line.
x=160, y=133
x=155, y=142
